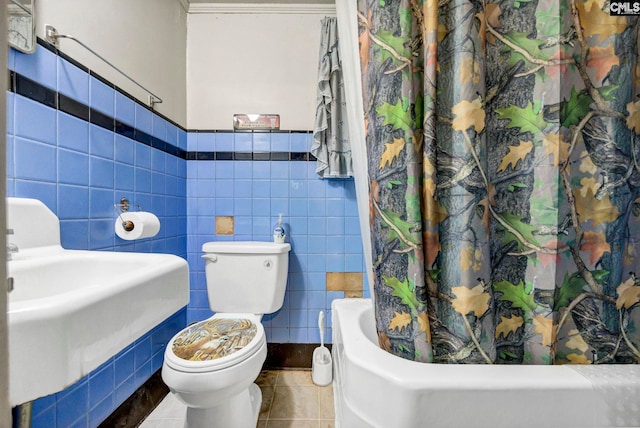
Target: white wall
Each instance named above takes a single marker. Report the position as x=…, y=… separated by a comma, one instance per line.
x=253, y=59
x=144, y=38
x=234, y=58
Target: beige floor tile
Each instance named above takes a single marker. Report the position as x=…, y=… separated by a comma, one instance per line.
x=327, y=423
x=292, y=423
x=261, y=424
x=326, y=402
x=267, y=377
x=295, y=402
x=294, y=377
x=267, y=399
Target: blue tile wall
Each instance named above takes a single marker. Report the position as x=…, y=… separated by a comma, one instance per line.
x=321, y=215
x=65, y=157
x=93, y=398
x=80, y=170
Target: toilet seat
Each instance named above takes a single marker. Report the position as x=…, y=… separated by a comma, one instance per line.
x=215, y=343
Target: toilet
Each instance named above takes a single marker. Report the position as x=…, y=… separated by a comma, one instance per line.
x=211, y=365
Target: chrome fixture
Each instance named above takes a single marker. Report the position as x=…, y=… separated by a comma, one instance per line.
x=52, y=36
x=121, y=208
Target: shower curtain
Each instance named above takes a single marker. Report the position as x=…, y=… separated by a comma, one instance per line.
x=504, y=179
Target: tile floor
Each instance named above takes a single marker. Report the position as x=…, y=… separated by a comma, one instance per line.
x=289, y=399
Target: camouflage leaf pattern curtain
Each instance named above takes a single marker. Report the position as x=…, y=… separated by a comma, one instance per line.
x=504, y=174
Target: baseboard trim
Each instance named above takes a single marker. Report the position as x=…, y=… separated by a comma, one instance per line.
x=290, y=355
x=139, y=405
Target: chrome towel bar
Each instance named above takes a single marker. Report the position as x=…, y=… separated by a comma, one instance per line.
x=52, y=36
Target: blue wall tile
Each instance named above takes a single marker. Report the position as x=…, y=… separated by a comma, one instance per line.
x=261, y=170
x=143, y=119
x=46, y=419
x=100, y=384
x=299, y=142
x=73, y=202
x=124, y=364
x=143, y=156
x=101, y=97
x=159, y=127
x=224, y=141
x=182, y=139
x=28, y=112
x=143, y=180
x=124, y=177
x=72, y=403
x=224, y=188
x=11, y=59
x=205, y=141
x=73, y=133
x=219, y=170
x=208, y=170
x=10, y=115
x=101, y=172
x=46, y=192
x=73, y=82
x=74, y=234
x=34, y=161
x=280, y=142
x=101, y=411
x=261, y=142
x=125, y=109
x=243, y=142
x=101, y=142
x=39, y=66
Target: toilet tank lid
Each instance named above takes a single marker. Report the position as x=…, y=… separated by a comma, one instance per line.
x=245, y=247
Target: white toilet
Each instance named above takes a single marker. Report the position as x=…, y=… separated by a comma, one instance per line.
x=210, y=366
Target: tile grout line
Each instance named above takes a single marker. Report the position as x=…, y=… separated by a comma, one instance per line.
x=273, y=397
x=317, y=388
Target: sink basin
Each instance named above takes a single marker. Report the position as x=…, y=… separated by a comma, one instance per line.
x=70, y=311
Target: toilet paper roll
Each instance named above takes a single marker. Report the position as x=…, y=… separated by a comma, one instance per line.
x=145, y=225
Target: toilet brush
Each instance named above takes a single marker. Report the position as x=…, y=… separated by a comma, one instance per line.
x=321, y=367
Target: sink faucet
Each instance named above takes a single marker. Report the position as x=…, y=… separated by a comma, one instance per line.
x=11, y=248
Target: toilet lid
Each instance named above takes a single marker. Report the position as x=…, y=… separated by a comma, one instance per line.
x=218, y=342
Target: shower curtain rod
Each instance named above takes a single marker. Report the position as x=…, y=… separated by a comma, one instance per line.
x=52, y=36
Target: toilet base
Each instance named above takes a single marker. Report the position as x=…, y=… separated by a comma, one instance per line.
x=240, y=411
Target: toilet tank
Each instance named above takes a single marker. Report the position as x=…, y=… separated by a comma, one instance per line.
x=246, y=277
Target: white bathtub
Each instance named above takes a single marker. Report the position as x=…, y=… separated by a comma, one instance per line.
x=376, y=389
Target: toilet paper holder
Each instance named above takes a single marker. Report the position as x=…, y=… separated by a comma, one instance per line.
x=123, y=207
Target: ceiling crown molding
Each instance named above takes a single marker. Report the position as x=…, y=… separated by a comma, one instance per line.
x=262, y=8
x=184, y=4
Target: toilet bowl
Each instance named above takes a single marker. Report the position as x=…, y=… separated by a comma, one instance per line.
x=211, y=365
x=217, y=391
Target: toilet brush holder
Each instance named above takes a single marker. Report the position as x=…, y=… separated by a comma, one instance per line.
x=321, y=367
x=322, y=364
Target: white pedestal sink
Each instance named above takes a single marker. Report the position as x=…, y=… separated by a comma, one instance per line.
x=70, y=311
